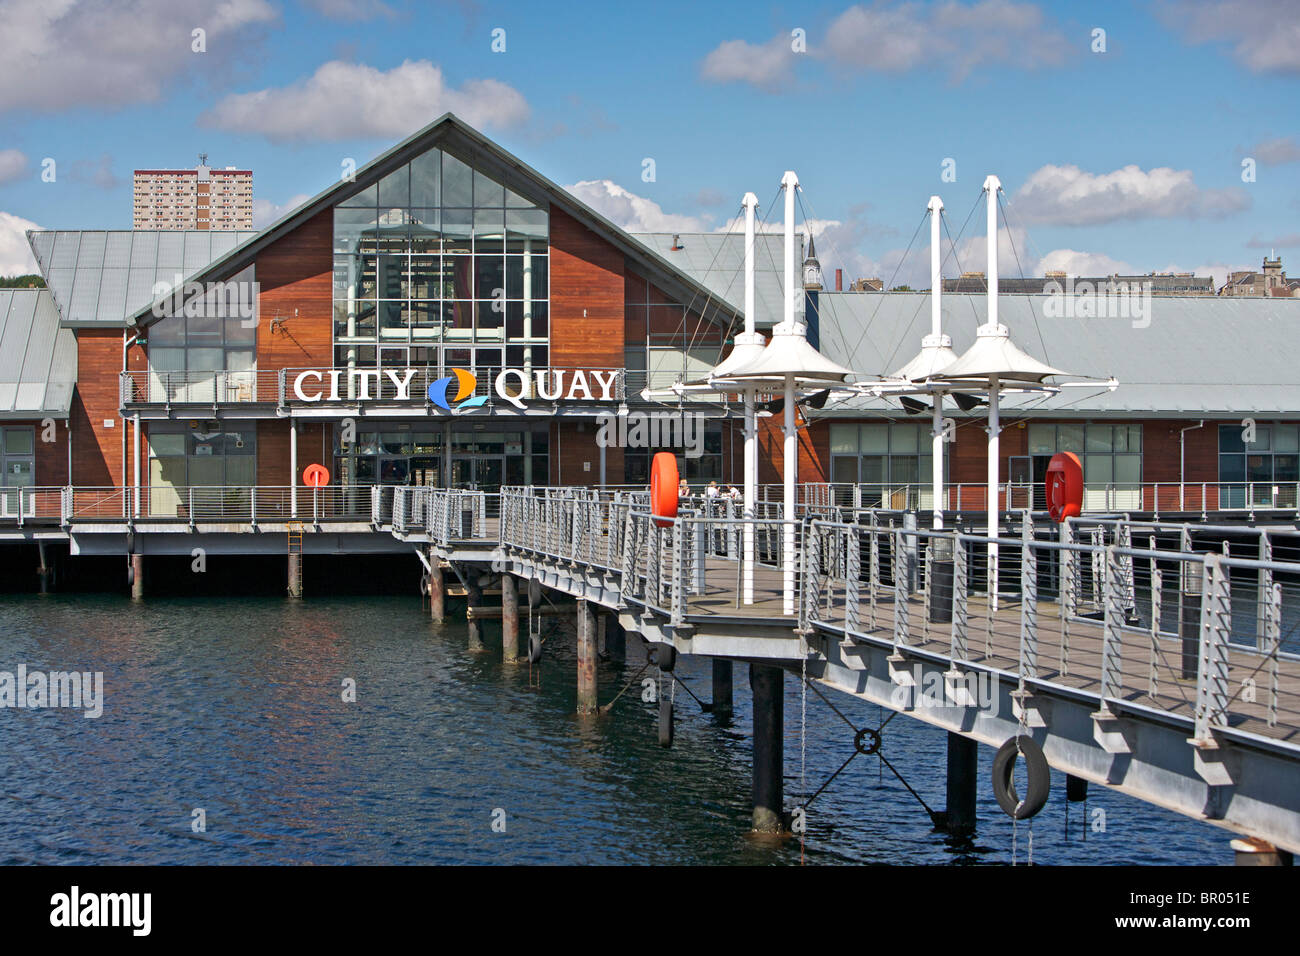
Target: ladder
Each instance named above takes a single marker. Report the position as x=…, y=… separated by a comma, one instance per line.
x=294, y=546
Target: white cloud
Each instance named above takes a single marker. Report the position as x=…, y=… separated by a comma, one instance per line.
x=351, y=100
x=1276, y=152
x=1264, y=34
x=767, y=65
x=1288, y=241
x=895, y=38
x=1076, y=263
x=632, y=212
x=1070, y=196
x=61, y=54
x=266, y=212
x=13, y=165
x=15, y=254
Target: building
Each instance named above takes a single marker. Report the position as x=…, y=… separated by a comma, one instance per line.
x=1270, y=281
x=1160, y=283
x=453, y=317
x=198, y=198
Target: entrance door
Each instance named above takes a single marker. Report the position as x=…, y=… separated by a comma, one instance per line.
x=478, y=473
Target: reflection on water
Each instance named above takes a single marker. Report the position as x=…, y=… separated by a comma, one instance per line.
x=235, y=707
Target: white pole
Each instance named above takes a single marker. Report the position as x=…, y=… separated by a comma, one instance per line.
x=750, y=203
x=936, y=332
x=991, y=187
x=790, y=182
x=293, y=469
x=789, y=468
x=135, y=433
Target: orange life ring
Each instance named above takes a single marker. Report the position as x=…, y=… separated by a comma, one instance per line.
x=663, y=488
x=1064, y=483
x=314, y=476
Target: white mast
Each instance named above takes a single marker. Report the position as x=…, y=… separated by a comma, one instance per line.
x=789, y=182
x=991, y=187
x=936, y=334
x=750, y=202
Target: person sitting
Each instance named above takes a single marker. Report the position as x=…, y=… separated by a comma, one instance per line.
x=683, y=489
x=712, y=490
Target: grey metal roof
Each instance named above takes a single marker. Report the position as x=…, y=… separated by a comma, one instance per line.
x=1199, y=356
x=38, y=358
x=99, y=277
x=717, y=261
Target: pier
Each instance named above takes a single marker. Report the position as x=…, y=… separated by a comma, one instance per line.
x=1153, y=656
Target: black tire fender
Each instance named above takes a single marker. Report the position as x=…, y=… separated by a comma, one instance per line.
x=665, y=722
x=534, y=648
x=1038, y=775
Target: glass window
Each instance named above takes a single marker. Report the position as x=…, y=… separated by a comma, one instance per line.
x=395, y=189
x=457, y=182
x=874, y=438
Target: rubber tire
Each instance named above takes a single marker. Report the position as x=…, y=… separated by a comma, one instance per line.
x=665, y=722
x=666, y=657
x=534, y=648
x=130, y=574
x=1038, y=785
x=424, y=584
x=534, y=592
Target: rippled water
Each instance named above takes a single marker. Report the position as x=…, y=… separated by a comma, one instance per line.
x=235, y=706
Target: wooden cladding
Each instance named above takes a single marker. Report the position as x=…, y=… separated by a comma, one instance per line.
x=295, y=307
x=586, y=297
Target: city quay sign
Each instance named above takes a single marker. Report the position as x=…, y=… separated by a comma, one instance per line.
x=454, y=392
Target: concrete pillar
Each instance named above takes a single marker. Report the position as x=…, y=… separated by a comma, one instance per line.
x=586, y=659
x=437, y=590
x=43, y=570
x=295, y=574
x=721, y=687
x=963, y=763
x=769, y=797
x=509, y=619
x=137, y=576
x=474, y=601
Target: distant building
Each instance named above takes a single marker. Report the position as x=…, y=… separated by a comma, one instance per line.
x=1162, y=283
x=198, y=198
x=867, y=285
x=1271, y=281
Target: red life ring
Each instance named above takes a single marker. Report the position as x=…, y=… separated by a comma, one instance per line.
x=314, y=476
x=1064, y=483
x=663, y=488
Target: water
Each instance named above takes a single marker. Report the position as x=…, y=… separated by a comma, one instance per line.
x=235, y=706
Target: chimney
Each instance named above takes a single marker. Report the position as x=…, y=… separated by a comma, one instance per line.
x=839, y=280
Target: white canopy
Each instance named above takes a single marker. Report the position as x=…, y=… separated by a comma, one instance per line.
x=936, y=354
x=994, y=354
x=789, y=353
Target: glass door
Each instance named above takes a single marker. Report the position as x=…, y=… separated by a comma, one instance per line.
x=479, y=473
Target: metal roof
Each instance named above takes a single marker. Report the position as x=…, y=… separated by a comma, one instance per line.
x=1198, y=356
x=98, y=277
x=38, y=358
x=717, y=261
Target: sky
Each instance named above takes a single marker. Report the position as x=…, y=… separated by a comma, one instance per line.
x=1128, y=137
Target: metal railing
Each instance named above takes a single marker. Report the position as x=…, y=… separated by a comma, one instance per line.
x=1157, y=497
x=199, y=388
x=1140, y=624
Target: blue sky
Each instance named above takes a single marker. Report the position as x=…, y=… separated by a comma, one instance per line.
x=1127, y=158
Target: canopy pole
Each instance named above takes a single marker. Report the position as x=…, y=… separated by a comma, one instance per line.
x=750, y=202
x=936, y=331
x=789, y=182
x=991, y=187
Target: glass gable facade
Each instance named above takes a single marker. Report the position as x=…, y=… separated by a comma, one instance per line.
x=440, y=265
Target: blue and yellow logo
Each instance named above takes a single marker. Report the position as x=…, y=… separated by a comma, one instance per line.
x=465, y=385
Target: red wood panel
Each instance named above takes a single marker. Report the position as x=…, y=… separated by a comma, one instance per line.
x=97, y=457
x=587, y=284
x=314, y=447
x=575, y=456
x=295, y=276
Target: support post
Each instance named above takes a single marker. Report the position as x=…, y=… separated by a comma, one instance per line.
x=293, y=469
x=721, y=687
x=509, y=619
x=43, y=573
x=137, y=576
x=473, y=601
x=768, y=784
x=586, y=658
x=295, y=574
x=963, y=762
x=437, y=590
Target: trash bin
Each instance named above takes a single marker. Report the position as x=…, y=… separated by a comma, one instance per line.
x=942, y=574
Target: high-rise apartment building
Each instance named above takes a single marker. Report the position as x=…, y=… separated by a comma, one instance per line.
x=198, y=198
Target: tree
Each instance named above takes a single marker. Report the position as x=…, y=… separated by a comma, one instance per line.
x=30, y=281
